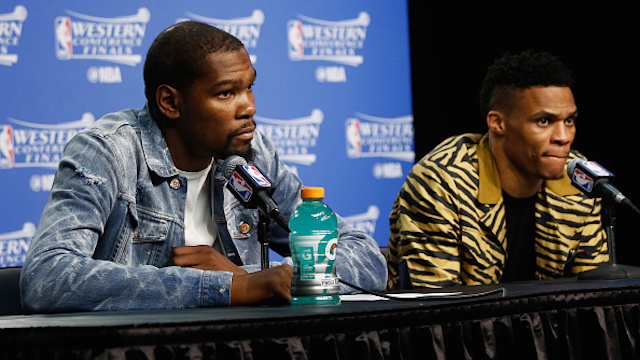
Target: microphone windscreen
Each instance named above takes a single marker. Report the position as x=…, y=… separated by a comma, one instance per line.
x=571, y=166
x=230, y=164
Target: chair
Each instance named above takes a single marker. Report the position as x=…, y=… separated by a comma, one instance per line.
x=10, y=291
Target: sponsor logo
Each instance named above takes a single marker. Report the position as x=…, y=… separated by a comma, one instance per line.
x=330, y=249
x=26, y=144
x=371, y=136
x=14, y=245
x=334, y=41
x=294, y=139
x=246, y=29
x=365, y=222
x=583, y=180
x=10, y=32
x=117, y=40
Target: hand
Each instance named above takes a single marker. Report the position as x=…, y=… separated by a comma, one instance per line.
x=203, y=257
x=269, y=286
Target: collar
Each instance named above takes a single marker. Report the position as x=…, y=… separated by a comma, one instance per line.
x=155, y=149
x=490, y=189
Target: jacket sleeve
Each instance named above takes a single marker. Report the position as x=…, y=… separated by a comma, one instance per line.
x=425, y=230
x=60, y=272
x=593, y=245
x=358, y=259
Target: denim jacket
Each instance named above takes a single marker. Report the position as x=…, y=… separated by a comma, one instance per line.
x=116, y=210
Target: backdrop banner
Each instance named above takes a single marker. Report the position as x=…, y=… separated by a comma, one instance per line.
x=333, y=93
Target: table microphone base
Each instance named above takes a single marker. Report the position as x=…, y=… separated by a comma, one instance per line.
x=611, y=272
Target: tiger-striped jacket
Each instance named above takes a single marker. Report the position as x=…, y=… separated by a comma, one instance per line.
x=448, y=223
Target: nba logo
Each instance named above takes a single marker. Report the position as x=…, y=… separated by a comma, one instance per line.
x=257, y=176
x=296, y=45
x=583, y=180
x=240, y=187
x=354, y=139
x=64, y=48
x=6, y=147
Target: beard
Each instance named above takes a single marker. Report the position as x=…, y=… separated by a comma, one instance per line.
x=247, y=152
x=244, y=149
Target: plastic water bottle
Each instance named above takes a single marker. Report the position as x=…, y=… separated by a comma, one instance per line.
x=313, y=240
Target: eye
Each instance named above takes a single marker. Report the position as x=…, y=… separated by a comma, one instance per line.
x=544, y=121
x=224, y=94
x=570, y=121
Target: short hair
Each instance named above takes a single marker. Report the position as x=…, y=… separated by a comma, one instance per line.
x=518, y=72
x=177, y=56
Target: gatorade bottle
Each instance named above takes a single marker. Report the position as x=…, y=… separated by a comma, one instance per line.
x=313, y=240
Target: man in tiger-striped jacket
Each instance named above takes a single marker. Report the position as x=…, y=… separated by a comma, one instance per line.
x=482, y=209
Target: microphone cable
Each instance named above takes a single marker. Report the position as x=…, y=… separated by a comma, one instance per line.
x=426, y=296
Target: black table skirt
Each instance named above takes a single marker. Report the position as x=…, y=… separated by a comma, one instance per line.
x=565, y=319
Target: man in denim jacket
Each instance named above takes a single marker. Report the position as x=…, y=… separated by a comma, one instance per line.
x=112, y=235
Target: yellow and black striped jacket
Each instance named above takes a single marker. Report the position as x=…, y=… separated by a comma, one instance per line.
x=448, y=223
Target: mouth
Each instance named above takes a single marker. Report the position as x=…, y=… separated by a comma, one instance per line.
x=245, y=132
x=563, y=156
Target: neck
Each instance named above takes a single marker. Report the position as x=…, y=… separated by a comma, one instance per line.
x=181, y=154
x=513, y=182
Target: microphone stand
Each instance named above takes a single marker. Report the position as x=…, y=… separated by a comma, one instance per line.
x=264, y=236
x=611, y=270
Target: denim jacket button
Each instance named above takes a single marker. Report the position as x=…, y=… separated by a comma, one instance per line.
x=175, y=184
x=244, y=228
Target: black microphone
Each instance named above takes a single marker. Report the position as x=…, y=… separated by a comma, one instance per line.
x=252, y=188
x=595, y=181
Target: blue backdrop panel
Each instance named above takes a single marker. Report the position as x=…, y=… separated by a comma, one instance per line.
x=333, y=92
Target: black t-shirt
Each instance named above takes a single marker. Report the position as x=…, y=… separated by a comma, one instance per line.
x=521, y=227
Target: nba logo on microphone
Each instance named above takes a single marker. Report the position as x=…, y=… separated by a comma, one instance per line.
x=240, y=186
x=583, y=180
x=257, y=176
x=7, y=159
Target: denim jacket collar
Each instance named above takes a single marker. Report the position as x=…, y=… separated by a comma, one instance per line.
x=156, y=151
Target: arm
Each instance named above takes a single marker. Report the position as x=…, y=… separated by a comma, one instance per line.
x=87, y=202
x=425, y=230
x=593, y=249
x=359, y=260
x=271, y=285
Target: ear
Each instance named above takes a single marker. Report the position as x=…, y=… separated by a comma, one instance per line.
x=496, y=122
x=168, y=100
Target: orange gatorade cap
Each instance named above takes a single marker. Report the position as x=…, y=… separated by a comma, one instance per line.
x=312, y=192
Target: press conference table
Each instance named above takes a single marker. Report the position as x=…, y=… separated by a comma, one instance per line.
x=560, y=319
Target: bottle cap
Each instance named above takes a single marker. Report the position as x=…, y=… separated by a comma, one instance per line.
x=312, y=192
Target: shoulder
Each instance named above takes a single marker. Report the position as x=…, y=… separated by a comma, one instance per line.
x=115, y=137
x=113, y=122
x=455, y=152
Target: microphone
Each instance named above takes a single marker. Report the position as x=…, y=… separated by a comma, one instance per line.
x=595, y=181
x=252, y=188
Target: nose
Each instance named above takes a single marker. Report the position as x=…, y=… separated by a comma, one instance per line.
x=563, y=134
x=246, y=105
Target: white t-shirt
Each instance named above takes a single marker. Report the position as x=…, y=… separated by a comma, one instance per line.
x=198, y=216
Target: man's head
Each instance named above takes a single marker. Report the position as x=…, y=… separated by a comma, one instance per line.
x=198, y=83
x=510, y=74
x=530, y=112
x=177, y=56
